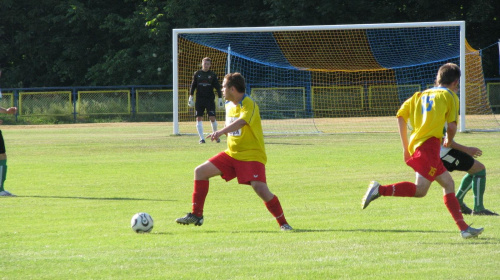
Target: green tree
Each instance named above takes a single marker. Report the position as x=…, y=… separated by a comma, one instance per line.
x=94, y=42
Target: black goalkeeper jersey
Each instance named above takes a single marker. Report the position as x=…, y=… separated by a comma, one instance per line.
x=204, y=84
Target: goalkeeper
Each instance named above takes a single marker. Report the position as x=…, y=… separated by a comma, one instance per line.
x=204, y=82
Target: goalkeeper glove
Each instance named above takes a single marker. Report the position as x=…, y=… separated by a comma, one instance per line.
x=191, y=102
x=221, y=103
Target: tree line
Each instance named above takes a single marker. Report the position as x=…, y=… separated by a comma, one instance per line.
x=49, y=43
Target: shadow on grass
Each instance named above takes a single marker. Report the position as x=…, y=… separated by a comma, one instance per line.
x=95, y=198
x=481, y=240
x=291, y=144
x=372, y=230
x=161, y=233
x=295, y=230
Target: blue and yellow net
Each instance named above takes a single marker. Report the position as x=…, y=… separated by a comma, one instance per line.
x=331, y=80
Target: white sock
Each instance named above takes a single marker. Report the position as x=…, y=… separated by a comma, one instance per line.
x=214, y=126
x=199, y=127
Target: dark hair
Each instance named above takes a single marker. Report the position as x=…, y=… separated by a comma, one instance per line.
x=447, y=74
x=235, y=80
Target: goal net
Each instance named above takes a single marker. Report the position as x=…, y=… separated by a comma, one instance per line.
x=332, y=79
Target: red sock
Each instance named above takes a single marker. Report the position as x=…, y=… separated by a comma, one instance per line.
x=199, y=194
x=453, y=206
x=407, y=189
x=274, y=206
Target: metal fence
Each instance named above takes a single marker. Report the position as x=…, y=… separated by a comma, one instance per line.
x=87, y=103
x=493, y=90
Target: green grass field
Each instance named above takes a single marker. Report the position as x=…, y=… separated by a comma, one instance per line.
x=79, y=185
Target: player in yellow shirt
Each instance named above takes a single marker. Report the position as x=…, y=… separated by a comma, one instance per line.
x=247, y=142
x=244, y=158
x=427, y=113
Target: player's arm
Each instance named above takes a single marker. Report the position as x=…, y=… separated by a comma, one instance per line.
x=239, y=123
x=216, y=85
x=194, y=84
x=403, y=114
x=403, y=135
x=451, y=119
x=471, y=151
x=10, y=111
x=450, y=134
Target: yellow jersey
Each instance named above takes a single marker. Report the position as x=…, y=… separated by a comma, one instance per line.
x=246, y=143
x=427, y=113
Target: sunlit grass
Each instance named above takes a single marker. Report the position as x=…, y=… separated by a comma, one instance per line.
x=79, y=185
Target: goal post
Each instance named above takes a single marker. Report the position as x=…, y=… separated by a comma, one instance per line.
x=333, y=78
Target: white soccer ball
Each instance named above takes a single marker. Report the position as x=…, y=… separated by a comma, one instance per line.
x=142, y=223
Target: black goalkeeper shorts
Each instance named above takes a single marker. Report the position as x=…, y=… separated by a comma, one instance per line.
x=205, y=104
x=457, y=160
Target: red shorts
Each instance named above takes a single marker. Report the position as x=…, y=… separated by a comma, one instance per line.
x=426, y=160
x=245, y=171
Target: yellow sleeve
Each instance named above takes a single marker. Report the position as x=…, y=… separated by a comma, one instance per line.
x=453, y=107
x=247, y=110
x=404, y=110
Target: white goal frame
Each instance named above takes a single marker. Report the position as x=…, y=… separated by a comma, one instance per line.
x=177, y=32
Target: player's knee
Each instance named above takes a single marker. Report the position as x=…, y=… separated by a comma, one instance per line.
x=262, y=191
x=420, y=194
x=199, y=173
x=477, y=167
x=480, y=166
x=421, y=191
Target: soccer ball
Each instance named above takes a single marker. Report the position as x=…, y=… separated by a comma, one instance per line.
x=142, y=223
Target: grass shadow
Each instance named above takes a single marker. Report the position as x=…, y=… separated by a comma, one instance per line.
x=290, y=144
x=298, y=230
x=95, y=198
